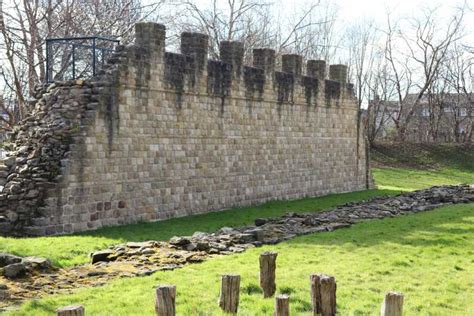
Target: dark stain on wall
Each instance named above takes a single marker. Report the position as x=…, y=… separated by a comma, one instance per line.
x=175, y=72
x=311, y=89
x=219, y=80
x=285, y=85
x=254, y=80
x=332, y=90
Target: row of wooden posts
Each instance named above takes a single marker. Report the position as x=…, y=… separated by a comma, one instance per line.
x=323, y=294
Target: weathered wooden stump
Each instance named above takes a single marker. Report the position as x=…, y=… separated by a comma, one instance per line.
x=282, y=305
x=267, y=273
x=230, y=291
x=165, y=300
x=323, y=294
x=73, y=310
x=392, y=304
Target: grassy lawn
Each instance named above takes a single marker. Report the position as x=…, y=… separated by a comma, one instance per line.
x=74, y=249
x=414, y=179
x=399, y=168
x=410, y=167
x=427, y=256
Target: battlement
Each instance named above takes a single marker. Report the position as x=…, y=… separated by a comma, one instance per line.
x=229, y=76
x=159, y=134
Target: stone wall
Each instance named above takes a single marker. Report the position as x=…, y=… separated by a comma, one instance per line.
x=159, y=135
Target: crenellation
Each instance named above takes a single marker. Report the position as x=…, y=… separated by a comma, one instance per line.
x=195, y=45
x=264, y=58
x=158, y=135
x=338, y=73
x=151, y=37
x=293, y=64
x=232, y=52
x=316, y=69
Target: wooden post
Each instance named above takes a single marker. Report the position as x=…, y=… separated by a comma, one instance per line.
x=282, y=305
x=315, y=294
x=229, y=298
x=73, y=310
x=267, y=273
x=165, y=300
x=392, y=304
x=323, y=294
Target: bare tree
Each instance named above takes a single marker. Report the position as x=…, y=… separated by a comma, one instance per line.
x=308, y=31
x=459, y=76
x=427, y=49
x=26, y=24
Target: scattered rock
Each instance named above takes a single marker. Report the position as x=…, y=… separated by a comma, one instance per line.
x=260, y=221
x=226, y=231
x=144, y=244
x=14, y=270
x=199, y=235
x=37, y=263
x=96, y=273
x=143, y=258
x=7, y=259
x=179, y=241
x=147, y=251
x=102, y=255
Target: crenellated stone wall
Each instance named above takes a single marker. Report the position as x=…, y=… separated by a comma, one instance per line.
x=159, y=135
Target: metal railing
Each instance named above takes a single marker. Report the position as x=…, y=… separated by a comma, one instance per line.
x=77, y=57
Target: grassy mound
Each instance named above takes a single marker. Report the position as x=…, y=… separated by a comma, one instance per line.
x=415, y=166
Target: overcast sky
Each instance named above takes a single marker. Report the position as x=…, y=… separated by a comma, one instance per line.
x=350, y=10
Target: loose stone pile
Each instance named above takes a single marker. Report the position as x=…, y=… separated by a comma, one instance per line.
x=144, y=258
x=38, y=147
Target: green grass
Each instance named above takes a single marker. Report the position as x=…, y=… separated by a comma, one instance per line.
x=405, y=179
x=396, y=172
x=427, y=256
x=74, y=249
x=410, y=167
x=424, y=156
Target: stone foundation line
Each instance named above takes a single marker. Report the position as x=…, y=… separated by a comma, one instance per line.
x=26, y=278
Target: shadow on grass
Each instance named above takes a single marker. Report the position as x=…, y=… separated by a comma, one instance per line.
x=425, y=156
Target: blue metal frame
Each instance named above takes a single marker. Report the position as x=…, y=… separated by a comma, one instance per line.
x=72, y=41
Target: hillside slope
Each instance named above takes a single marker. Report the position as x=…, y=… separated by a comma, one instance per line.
x=415, y=166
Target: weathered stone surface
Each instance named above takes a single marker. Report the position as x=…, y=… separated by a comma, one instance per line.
x=37, y=263
x=7, y=259
x=179, y=241
x=158, y=135
x=102, y=255
x=14, y=270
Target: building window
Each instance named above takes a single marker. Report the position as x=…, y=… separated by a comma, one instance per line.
x=425, y=112
x=462, y=112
